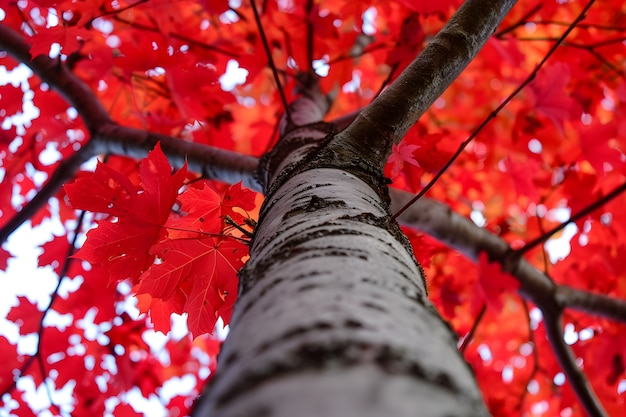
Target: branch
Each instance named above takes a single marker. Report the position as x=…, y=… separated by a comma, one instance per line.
x=598, y=304
x=455, y=231
x=210, y=162
x=399, y=107
x=63, y=173
x=109, y=138
x=567, y=360
x=58, y=76
x=439, y=221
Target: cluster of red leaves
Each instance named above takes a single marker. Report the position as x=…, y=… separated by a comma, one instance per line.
x=177, y=261
x=558, y=146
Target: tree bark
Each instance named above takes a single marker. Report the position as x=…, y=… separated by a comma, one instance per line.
x=332, y=317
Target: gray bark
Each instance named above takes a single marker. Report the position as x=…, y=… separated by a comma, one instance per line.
x=332, y=317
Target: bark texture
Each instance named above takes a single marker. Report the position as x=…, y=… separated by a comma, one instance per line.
x=333, y=318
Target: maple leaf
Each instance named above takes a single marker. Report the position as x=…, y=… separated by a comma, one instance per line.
x=493, y=283
x=409, y=43
x=215, y=6
x=522, y=176
x=323, y=25
x=401, y=154
x=69, y=37
x=11, y=361
x=204, y=210
x=11, y=99
x=550, y=95
x=205, y=270
x=596, y=147
x=53, y=251
x=120, y=247
x=26, y=315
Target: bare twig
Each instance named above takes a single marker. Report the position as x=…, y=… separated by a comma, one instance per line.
x=582, y=213
x=270, y=60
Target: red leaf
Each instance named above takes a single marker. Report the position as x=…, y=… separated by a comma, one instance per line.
x=323, y=26
x=215, y=6
x=5, y=255
x=205, y=269
x=26, y=315
x=492, y=282
x=69, y=37
x=204, y=210
x=54, y=252
x=122, y=247
x=11, y=361
x=551, y=97
x=10, y=100
x=596, y=146
x=522, y=176
x=401, y=154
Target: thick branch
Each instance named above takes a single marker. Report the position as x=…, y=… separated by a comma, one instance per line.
x=58, y=76
x=108, y=137
x=211, y=162
x=455, y=231
x=397, y=108
x=598, y=304
x=439, y=221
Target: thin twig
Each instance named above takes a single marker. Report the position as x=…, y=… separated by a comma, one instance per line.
x=470, y=335
x=270, y=60
x=582, y=213
x=521, y=22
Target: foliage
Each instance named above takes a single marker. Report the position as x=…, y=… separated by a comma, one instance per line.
x=159, y=66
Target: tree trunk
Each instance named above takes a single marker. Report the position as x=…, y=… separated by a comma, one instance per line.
x=332, y=317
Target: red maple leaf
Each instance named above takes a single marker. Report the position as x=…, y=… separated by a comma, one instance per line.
x=26, y=315
x=53, y=251
x=11, y=361
x=205, y=270
x=5, y=255
x=522, y=173
x=204, y=210
x=11, y=100
x=121, y=247
x=549, y=91
x=401, y=154
x=69, y=37
x=493, y=283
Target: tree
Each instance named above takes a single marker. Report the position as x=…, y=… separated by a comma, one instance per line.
x=332, y=316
